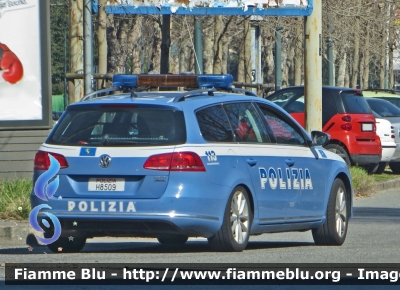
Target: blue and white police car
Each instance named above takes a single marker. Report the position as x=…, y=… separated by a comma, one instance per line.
x=208, y=161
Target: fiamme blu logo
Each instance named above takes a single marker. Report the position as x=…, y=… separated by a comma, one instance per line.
x=45, y=187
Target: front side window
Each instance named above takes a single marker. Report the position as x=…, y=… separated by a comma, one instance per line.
x=284, y=131
x=108, y=126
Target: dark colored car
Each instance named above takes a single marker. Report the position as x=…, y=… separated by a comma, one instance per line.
x=346, y=117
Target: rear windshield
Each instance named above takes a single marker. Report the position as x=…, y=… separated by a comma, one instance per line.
x=355, y=104
x=119, y=126
x=384, y=108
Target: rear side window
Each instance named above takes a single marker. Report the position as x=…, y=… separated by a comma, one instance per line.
x=328, y=107
x=355, y=104
x=247, y=123
x=394, y=101
x=214, y=124
x=384, y=108
x=121, y=126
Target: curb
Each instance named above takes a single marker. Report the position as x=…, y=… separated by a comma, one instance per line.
x=15, y=230
x=388, y=185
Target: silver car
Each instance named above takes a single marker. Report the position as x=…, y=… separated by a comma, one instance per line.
x=390, y=112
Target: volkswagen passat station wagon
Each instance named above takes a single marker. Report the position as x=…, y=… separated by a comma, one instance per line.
x=208, y=161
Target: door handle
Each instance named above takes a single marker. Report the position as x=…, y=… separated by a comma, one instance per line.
x=251, y=162
x=289, y=162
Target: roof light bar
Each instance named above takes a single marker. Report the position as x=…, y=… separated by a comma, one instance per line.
x=169, y=80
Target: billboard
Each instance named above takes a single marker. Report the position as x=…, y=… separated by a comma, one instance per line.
x=25, y=83
x=210, y=7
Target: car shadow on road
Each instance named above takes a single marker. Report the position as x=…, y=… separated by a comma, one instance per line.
x=149, y=247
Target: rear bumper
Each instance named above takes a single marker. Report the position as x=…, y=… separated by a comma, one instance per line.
x=196, y=214
x=387, y=152
x=365, y=159
x=138, y=226
x=396, y=155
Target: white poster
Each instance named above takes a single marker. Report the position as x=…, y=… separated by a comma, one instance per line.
x=20, y=61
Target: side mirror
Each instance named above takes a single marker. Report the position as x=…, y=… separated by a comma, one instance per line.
x=319, y=138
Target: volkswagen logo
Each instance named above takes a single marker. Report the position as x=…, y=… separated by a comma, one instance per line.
x=105, y=161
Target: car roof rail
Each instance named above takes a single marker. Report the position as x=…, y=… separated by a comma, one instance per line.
x=100, y=93
x=194, y=93
x=210, y=92
x=380, y=90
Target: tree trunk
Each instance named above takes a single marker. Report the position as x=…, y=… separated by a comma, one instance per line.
x=208, y=44
x=102, y=41
x=155, y=58
x=341, y=75
x=247, y=51
x=218, y=33
x=392, y=44
x=299, y=52
x=356, y=53
x=366, y=60
x=269, y=67
x=76, y=50
x=138, y=48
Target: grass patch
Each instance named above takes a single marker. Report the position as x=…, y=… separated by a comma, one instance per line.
x=363, y=183
x=15, y=198
x=386, y=176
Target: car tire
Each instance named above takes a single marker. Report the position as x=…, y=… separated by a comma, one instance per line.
x=395, y=167
x=233, y=236
x=371, y=168
x=334, y=229
x=64, y=244
x=339, y=150
x=172, y=240
x=381, y=168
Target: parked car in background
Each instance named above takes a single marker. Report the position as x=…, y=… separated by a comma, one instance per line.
x=56, y=115
x=390, y=112
x=385, y=131
x=388, y=95
x=346, y=117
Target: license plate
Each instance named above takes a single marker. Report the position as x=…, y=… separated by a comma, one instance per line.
x=106, y=184
x=367, y=127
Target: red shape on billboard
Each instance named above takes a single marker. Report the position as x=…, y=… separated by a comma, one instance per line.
x=11, y=64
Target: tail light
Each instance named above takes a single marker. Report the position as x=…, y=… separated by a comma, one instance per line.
x=42, y=160
x=177, y=161
x=346, y=127
x=346, y=118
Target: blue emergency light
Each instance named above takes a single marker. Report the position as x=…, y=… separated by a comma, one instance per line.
x=170, y=80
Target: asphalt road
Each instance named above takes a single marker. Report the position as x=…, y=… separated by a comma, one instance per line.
x=373, y=237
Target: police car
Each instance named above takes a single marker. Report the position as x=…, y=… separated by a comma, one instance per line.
x=211, y=161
